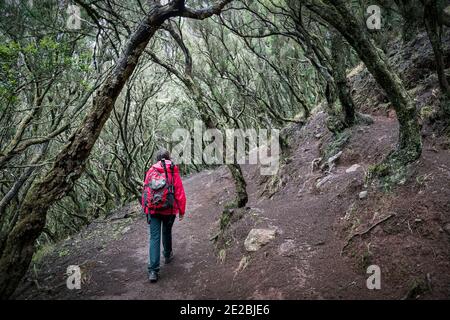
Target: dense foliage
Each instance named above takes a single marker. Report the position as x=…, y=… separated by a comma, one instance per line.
x=260, y=63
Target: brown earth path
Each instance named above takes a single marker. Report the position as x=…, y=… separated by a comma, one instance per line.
x=311, y=267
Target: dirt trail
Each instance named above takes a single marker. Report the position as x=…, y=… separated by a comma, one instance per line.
x=307, y=220
x=313, y=221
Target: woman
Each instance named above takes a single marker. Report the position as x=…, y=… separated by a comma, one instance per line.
x=163, y=198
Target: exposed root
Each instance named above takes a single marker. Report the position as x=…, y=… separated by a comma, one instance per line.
x=245, y=261
x=229, y=216
x=366, y=231
x=272, y=186
x=334, y=148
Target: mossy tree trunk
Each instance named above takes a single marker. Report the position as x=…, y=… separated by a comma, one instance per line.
x=410, y=10
x=71, y=160
x=434, y=29
x=206, y=113
x=241, y=198
x=337, y=14
x=332, y=67
x=339, y=53
x=68, y=166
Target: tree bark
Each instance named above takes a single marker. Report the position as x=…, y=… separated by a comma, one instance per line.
x=241, y=197
x=332, y=68
x=7, y=222
x=19, y=247
x=339, y=53
x=410, y=11
x=338, y=15
x=240, y=185
x=71, y=160
x=196, y=93
x=431, y=19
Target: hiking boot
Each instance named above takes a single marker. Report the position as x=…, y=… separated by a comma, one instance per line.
x=153, y=276
x=168, y=259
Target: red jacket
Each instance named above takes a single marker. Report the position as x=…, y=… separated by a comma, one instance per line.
x=180, y=196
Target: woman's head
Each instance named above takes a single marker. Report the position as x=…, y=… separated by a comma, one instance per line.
x=162, y=154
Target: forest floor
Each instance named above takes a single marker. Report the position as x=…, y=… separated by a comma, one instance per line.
x=327, y=234
x=312, y=224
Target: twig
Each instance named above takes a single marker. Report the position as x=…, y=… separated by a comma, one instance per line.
x=366, y=231
x=214, y=237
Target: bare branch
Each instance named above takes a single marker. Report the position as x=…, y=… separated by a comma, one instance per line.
x=201, y=14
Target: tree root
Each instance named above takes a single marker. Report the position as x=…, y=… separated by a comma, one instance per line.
x=272, y=186
x=366, y=231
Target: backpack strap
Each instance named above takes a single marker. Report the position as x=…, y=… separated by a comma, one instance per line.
x=172, y=185
x=145, y=198
x=163, y=163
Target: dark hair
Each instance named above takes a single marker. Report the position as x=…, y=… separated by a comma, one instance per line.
x=162, y=154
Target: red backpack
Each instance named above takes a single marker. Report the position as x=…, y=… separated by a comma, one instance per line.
x=158, y=192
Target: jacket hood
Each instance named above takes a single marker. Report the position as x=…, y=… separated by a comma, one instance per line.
x=158, y=166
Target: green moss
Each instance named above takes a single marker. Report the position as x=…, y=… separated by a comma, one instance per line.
x=417, y=288
x=64, y=252
x=339, y=141
x=334, y=122
x=378, y=170
x=427, y=112
x=366, y=258
x=230, y=205
x=225, y=219
x=222, y=255
x=386, y=176
x=393, y=170
x=223, y=238
x=273, y=185
x=42, y=252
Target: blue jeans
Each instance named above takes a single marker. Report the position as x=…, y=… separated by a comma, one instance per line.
x=154, y=234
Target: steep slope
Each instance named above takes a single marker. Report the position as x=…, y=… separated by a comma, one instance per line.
x=327, y=231
x=312, y=222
